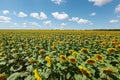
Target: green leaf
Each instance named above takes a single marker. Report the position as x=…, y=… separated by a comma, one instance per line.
x=30, y=68
x=68, y=75
x=14, y=76
x=29, y=78
x=16, y=68
x=78, y=77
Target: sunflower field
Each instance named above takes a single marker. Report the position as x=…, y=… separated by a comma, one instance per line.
x=59, y=55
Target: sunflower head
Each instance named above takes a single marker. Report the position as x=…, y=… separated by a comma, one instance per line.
x=47, y=58
x=110, y=50
x=42, y=51
x=54, y=47
x=48, y=63
x=99, y=57
x=63, y=58
x=108, y=70
x=113, y=43
x=117, y=47
x=70, y=51
x=36, y=75
x=85, y=71
x=3, y=76
x=104, y=43
x=37, y=47
x=84, y=50
x=32, y=61
x=91, y=61
x=72, y=59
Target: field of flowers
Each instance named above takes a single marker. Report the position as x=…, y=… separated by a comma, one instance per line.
x=59, y=55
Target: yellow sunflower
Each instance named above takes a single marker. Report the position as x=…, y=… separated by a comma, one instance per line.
x=37, y=47
x=117, y=47
x=36, y=74
x=99, y=57
x=47, y=58
x=85, y=71
x=48, y=63
x=91, y=61
x=63, y=58
x=72, y=59
x=3, y=76
x=110, y=50
x=108, y=70
x=54, y=47
x=104, y=44
x=42, y=51
x=84, y=50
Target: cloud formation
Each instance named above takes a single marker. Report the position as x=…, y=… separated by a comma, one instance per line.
x=41, y=16
x=63, y=24
x=57, y=1
x=5, y=12
x=22, y=14
x=113, y=21
x=60, y=16
x=5, y=19
x=117, y=9
x=93, y=14
x=100, y=2
x=80, y=20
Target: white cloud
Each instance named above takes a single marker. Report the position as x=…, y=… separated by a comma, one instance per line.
x=22, y=14
x=80, y=20
x=113, y=21
x=74, y=19
x=57, y=1
x=5, y=12
x=60, y=16
x=93, y=14
x=15, y=23
x=35, y=15
x=40, y=16
x=47, y=22
x=63, y=24
x=43, y=16
x=117, y=9
x=84, y=21
x=100, y=2
x=4, y=19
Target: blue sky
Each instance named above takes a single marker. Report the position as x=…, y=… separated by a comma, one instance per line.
x=59, y=14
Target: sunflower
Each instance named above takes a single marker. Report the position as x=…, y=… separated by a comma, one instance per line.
x=99, y=57
x=32, y=61
x=85, y=71
x=113, y=43
x=84, y=50
x=48, y=63
x=72, y=59
x=104, y=44
x=91, y=61
x=47, y=58
x=54, y=47
x=3, y=76
x=42, y=51
x=36, y=74
x=117, y=47
x=63, y=58
x=37, y=47
x=108, y=70
x=70, y=51
x=110, y=50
